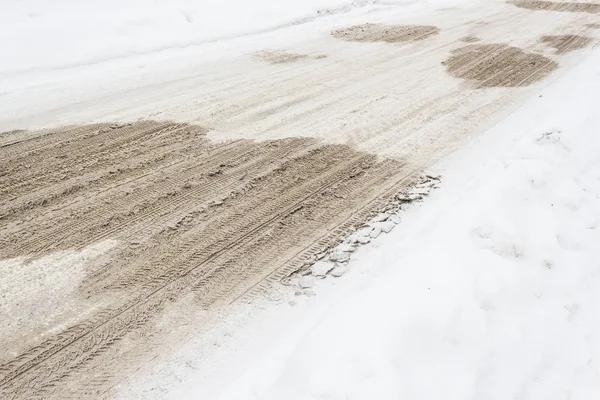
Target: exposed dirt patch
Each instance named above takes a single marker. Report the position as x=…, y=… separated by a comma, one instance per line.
x=210, y=221
x=279, y=56
x=557, y=6
x=566, y=43
x=470, y=39
x=385, y=33
x=492, y=65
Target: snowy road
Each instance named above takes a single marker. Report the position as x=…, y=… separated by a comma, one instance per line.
x=386, y=98
x=488, y=289
x=169, y=182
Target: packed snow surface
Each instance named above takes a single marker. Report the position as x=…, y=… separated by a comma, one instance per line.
x=488, y=290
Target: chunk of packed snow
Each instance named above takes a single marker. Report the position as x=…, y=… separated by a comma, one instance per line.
x=346, y=247
x=339, y=256
x=339, y=270
x=381, y=217
x=395, y=219
x=375, y=232
x=306, y=282
x=321, y=268
x=385, y=226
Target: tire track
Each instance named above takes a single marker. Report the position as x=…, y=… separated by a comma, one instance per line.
x=493, y=65
x=249, y=209
x=71, y=173
x=563, y=44
x=540, y=5
x=157, y=198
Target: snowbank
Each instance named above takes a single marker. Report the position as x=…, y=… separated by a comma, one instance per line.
x=490, y=291
x=38, y=34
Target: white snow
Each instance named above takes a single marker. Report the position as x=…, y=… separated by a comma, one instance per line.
x=66, y=62
x=488, y=290
x=306, y=282
x=39, y=34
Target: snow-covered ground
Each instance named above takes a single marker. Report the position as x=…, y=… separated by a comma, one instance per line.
x=57, y=58
x=488, y=290
x=38, y=35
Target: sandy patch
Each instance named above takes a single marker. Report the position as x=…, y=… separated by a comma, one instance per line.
x=566, y=43
x=592, y=8
x=492, y=65
x=385, y=33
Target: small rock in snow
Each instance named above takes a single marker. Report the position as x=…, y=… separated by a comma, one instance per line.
x=306, y=282
x=321, y=268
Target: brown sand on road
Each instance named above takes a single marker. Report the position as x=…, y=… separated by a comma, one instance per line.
x=566, y=43
x=470, y=39
x=493, y=65
x=190, y=216
x=540, y=5
x=279, y=56
x=385, y=33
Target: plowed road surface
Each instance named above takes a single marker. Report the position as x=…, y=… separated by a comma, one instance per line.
x=156, y=198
